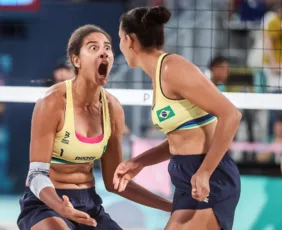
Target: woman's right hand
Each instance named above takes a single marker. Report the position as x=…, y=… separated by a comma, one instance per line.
x=68, y=211
x=125, y=171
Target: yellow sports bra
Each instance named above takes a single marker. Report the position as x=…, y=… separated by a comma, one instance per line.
x=171, y=114
x=69, y=146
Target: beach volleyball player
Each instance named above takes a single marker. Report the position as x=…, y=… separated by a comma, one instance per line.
x=199, y=121
x=75, y=123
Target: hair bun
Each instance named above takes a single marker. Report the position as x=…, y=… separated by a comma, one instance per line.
x=158, y=15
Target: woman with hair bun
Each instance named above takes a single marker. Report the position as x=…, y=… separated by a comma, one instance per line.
x=199, y=122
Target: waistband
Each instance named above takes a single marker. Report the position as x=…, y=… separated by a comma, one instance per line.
x=192, y=158
x=88, y=192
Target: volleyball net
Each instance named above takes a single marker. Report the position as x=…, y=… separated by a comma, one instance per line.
x=140, y=97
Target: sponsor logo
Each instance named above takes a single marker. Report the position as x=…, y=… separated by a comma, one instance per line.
x=85, y=158
x=65, y=139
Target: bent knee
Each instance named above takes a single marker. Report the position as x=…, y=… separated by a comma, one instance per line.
x=51, y=223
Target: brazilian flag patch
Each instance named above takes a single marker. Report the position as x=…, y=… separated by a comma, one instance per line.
x=165, y=113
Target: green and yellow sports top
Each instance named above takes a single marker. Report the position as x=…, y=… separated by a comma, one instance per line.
x=171, y=114
x=70, y=147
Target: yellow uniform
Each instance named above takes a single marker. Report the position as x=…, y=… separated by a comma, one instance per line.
x=70, y=147
x=170, y=114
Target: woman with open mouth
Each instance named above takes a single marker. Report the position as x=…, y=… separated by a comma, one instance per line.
x=75, y=123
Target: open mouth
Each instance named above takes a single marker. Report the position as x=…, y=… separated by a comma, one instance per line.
x=103, y=68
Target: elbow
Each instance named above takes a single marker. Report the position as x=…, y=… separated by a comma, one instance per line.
x=235, y=117
x=232, y=117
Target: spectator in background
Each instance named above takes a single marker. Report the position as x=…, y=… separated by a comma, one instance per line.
x=218, y=72
x=247, y=10
x=272, y=38
x=62, y=73
x=272, y=57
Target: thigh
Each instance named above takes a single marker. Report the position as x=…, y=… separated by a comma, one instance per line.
x=51, y=223
x=203, y=219
x=36, y=215
x=104, y=221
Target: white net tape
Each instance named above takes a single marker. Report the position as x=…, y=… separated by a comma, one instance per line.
x=144, y=97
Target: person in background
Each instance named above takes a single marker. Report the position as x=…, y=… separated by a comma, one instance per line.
x=218, y=72
x=62, y=72
x=248, y=10
x=272, y=57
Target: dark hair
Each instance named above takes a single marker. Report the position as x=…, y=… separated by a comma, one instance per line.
x=148, y=25
x=217, y=61
x=76, y=39
x=61, y=66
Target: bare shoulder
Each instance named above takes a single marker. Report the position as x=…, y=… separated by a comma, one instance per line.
x=53, y=99
x=175, y=63
x=114, y=105
x=116, y=113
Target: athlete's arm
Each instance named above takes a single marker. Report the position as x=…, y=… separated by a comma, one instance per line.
x=185, y=80
x=45, y=119
x=113, y=157
x=127, y=170
x=154, y=155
